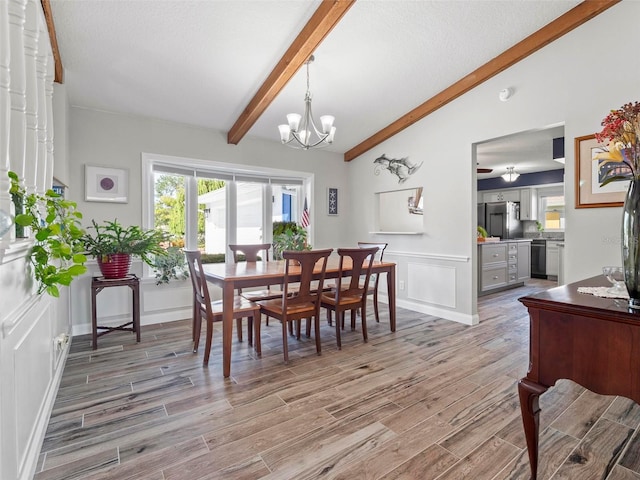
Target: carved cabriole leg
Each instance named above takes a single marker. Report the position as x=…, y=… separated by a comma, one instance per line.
x=529, y=392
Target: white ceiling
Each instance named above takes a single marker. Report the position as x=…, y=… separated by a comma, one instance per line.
x=528, y=152
x=200, y=62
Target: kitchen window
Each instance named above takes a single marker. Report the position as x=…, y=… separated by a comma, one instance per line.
x=551, y=208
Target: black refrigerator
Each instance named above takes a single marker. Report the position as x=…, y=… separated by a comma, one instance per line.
x=502, y=219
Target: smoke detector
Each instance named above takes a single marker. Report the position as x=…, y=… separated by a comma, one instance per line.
x=505, y=94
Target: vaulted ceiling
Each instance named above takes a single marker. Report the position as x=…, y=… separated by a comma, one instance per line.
x=226, y=64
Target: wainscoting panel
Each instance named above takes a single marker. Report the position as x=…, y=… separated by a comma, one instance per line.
x=31, y=365
x=32, y=354
x=441, y=292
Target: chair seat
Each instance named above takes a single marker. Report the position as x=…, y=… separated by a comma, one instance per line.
x=275, y=307
x=345, y=300
x=258, y=295
x=293, y=289
x=240, y=306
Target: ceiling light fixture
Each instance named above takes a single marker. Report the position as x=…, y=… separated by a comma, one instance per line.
x=511, y=175
x=301, y=131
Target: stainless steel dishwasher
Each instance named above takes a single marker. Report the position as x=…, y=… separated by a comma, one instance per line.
x=539, y=258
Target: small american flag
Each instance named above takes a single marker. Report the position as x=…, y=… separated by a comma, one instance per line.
x=305, y=219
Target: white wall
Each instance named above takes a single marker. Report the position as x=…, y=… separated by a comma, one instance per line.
x=31, y=363
x=100, y=138
x=576, y=80
x=566, y=82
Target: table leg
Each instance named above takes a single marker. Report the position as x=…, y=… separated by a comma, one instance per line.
x=227, y=327
x=94, y=318
x=136, y=309
x=529, y=392
x=391, y=292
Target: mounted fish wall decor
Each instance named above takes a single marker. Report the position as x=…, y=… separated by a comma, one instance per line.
x=400, y=167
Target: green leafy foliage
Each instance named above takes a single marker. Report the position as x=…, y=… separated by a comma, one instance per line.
x=111, y=237
x=288, y=236
x=56, y=257
x=172, y=266
x=170, y=203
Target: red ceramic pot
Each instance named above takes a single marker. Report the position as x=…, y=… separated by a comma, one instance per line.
x=115, y=265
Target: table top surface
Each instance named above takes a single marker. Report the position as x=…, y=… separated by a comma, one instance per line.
x=566, y=297
x=274, y=269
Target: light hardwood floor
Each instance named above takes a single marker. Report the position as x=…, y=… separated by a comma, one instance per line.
x=434, y=400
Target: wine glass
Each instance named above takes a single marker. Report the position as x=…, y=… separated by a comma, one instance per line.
x=615, y=275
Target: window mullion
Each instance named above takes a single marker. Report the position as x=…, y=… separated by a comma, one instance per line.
x=191, y=212
x=231, y=217
x=267, y=213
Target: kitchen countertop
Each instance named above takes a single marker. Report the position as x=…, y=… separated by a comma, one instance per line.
x=506, y=240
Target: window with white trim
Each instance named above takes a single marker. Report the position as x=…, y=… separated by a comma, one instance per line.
x=551, y=207
x=207, y=205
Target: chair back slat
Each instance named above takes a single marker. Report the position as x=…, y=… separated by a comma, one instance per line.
x=198, y=281
x=361, y=264
x=306, y=262
x=250, y=251
x=379, y=253
x=375, y=278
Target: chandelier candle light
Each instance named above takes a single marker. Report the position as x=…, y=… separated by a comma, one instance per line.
x=301, y=131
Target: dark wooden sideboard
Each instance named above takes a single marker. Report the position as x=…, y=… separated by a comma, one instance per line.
x=590, y=340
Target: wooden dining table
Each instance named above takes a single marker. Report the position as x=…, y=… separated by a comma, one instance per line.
x=231, y=276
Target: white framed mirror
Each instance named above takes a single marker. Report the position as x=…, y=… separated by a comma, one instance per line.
x=400, y=211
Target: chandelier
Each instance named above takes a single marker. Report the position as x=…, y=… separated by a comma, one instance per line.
x=511, y=175
x=301, y=131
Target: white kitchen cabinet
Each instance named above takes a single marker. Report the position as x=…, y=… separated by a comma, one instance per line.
x=561, y=264
x=552, y=258
x=509, y=195
x=528, y=204
x=524, y=261
x=502, y=265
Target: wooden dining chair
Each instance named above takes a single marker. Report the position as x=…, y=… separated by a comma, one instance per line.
x=372, y=288
x=251, y=252
x=352, y=296
x=242, y=308
x=306, y=302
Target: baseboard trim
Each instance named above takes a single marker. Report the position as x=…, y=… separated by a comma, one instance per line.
x=445, y=314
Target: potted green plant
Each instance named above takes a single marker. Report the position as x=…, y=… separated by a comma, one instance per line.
x=288, y=236
x=113, y=245
x=172, y=266
x=56, y=257
x=482, y=233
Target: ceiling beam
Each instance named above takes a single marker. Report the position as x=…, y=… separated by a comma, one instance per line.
x=48, y=16
x=534, y=42
x=317, y=28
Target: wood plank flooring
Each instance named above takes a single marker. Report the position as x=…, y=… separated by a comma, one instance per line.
x=434, y=400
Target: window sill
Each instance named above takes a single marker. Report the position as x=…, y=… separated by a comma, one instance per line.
x=396, y=233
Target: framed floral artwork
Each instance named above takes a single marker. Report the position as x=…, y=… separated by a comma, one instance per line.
x=104, y=184
x=332, y=201
x=588, y=177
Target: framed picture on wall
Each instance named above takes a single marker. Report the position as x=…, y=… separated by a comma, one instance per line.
x=104, y=184
x=589, y=190
x=332, y=201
